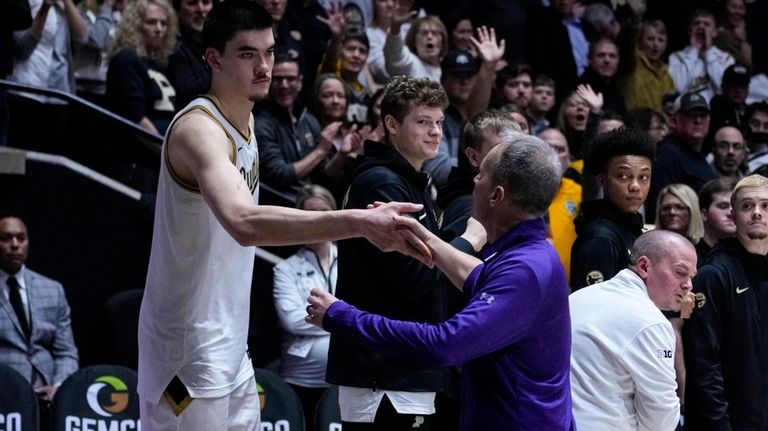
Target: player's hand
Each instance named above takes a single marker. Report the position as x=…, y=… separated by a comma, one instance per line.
x=319, y=301
x=386, y=230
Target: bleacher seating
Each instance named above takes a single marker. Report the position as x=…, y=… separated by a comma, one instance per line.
x=97, y=397
x=123, y=316
x=280, y=406
x=327, y=413
x=18, y=403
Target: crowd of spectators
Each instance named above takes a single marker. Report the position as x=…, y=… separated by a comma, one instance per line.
x=144, y=61
x=690, y=82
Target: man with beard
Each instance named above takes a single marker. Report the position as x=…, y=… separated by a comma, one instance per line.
x=514, y=85
x=730, y=153
x=194, y=369
x=726, y=339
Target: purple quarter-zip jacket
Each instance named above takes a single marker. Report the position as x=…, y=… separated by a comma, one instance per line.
x=513, y=338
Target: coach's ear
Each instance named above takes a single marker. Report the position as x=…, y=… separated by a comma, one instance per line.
x=497, y=196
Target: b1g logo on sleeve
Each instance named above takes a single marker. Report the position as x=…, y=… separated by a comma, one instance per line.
x=661, y=353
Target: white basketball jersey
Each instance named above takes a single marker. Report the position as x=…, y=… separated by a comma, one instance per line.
x=195, y=312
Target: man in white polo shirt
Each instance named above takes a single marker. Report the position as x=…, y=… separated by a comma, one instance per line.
x=622, y=359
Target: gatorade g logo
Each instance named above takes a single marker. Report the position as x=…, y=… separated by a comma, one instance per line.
x=107, y=396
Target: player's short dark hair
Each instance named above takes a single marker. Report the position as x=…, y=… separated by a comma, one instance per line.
x=623, y=141
x=230, y=17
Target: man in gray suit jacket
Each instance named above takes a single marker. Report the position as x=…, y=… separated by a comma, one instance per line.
x=35, y=331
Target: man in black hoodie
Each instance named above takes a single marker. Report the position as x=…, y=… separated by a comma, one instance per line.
x=607, y=228
x=726, y=339
x=377, y=391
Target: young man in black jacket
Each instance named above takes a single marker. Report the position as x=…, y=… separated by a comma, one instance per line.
x=726, y=339
x=391, y=284
x=607, y=228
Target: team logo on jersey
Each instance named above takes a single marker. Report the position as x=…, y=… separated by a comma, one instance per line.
x=701, y=299
x=108, y=395
x=487, y=298
x=594, y=277
x=251, y=176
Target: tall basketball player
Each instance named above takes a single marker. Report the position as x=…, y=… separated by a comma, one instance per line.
x=194, y=371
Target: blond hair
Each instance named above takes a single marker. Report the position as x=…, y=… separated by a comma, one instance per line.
x=753, y=180
x=129, y=35
x=688, y=197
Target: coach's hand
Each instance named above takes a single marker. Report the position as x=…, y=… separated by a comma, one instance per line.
x=319, y=301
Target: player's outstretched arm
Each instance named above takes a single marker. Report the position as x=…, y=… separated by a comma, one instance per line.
x=201, y=154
